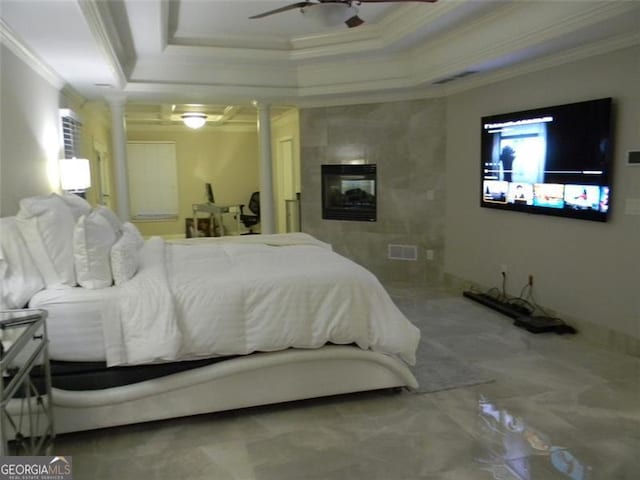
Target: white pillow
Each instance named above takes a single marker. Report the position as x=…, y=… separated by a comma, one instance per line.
x=111, y=217
x=93, y=238
x=78, y=205
x=20, y=279
x=124, y=257
x=134, y=232
x=46, y=224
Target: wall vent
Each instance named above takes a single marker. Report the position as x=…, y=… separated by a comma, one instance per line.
x=402, y=252
x=454, y=77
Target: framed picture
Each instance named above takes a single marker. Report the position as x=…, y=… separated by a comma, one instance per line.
x=204, y=228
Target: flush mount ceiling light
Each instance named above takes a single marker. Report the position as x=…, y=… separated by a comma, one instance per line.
x=194, y=120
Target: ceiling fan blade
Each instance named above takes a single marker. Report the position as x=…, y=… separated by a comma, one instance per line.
x=354, y=21
x=293, y=6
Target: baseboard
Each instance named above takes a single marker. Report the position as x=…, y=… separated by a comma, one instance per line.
x=588, y=332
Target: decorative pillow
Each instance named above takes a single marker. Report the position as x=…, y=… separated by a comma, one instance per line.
x=20, y=279
x=110, y=217
x=78, y=205
x=124, y=257
x=93, y=238
x=46, y=224
x=134, y=232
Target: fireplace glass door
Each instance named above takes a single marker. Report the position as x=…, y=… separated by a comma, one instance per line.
x=349, y=192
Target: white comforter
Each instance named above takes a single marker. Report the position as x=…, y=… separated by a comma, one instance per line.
x=255, y=293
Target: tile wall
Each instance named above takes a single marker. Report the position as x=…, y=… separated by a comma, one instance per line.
x=407, y=142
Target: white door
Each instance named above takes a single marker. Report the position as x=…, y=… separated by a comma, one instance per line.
x=104, y=176
x=285, y=189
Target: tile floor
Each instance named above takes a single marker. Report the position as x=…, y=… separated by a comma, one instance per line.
x=558, y=409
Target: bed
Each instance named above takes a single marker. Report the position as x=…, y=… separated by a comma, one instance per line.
x=143, y=330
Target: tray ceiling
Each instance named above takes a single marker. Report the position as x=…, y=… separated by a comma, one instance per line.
x=209, y=52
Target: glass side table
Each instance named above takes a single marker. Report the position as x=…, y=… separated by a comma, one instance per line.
x=26, y=414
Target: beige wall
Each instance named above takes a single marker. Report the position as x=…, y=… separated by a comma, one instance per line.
x=225, y=158
x=583, y=270
x=96, y=133
x=30, y=139
x=29, y=133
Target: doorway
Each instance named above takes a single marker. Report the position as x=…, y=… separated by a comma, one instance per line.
x=285, y=184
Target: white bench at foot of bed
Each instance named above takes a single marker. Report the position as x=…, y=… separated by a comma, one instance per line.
x=240, y=382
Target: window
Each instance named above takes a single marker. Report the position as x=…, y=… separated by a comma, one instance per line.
x=71, y=133
x=153, y=182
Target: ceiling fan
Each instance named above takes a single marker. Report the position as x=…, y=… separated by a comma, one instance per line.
x=352, y=21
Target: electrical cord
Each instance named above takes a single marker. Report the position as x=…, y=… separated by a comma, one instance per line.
x=531, y=301
x=526, y=304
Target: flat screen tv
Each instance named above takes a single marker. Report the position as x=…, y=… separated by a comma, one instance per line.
x=554, y=161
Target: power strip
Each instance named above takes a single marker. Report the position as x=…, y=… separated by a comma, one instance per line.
x=508, y=309
x=521, y=315
x=541, y=324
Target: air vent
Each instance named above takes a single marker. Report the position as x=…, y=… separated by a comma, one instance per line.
x=402, y=252
x=466, y=73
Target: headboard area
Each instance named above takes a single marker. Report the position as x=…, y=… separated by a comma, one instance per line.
x=58, y=241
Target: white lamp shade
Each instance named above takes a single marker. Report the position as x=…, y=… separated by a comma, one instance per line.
x=75, y=174
x=194, y=120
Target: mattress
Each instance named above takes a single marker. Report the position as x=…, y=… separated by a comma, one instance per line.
x=74, y=322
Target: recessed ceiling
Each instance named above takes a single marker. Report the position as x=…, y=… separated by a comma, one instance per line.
x=166, y=115
x=210, y=53
x=227, y=23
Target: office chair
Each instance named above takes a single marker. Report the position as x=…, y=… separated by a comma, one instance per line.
x=249, y=220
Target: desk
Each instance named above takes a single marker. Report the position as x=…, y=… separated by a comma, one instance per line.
x=26, y=414
x=217, y=212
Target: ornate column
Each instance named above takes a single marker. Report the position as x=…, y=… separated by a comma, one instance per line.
x=267, y=210
x=119, y=138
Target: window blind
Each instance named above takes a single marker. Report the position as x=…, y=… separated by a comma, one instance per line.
x=153, y=180
x=71, y=134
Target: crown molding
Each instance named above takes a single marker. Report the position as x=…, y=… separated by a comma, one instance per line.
x=325, y=85
x=436, y=60
x=73, y=96
x=371, y=97
x=103, y=32
x=219, y=93
x=576, y=54
x=180, y=128
x=405, y=22
x=10, y=39
x=573, y=55
x=370, y=37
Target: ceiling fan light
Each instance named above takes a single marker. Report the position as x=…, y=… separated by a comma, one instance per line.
x=194, y=120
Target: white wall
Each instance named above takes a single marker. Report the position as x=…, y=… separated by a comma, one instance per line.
x=29, y=133
x=584, y=270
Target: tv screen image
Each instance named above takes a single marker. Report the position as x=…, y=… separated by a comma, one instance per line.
x=520, y=193
x=582, y=197
x=495, y=191
x=544, y=160
x=549, y=195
